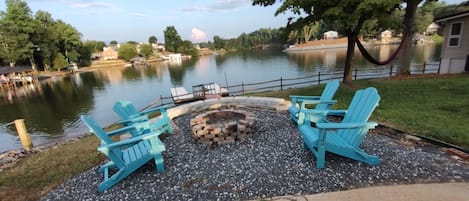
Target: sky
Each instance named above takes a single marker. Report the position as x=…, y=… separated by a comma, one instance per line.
x=137, y=20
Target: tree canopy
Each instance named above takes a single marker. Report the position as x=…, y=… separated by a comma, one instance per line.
x=127, y=51
x=172, y=39
x=152, y=40
x=37, y=39
x=346, y=16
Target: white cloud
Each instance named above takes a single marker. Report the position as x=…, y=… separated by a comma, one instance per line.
x=88, y=4
x=138, y=15
x=220, y=5
x=198, y=35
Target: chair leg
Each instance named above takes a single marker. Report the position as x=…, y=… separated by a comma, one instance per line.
x=320, y=156
x=159, y=162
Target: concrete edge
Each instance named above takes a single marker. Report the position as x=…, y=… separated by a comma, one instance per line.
x=278, y=104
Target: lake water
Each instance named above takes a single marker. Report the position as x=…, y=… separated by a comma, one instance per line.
x=52, y=111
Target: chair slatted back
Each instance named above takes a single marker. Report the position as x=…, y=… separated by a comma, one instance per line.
x=360, y=109
x=125, y=110
x=328, y=94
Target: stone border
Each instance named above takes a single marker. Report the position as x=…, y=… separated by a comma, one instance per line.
x=278, y=104
x=230, y=130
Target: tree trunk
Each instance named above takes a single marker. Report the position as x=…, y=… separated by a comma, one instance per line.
x=409, y=30
x=348, y=60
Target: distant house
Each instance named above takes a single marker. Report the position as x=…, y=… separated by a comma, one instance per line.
x=158, y=47
x=109, y=53
x=455, y=49
x=330, y=35
x=386, y=37
x=432, y=28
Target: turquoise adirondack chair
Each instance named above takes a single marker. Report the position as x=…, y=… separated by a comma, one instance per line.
x=126, y=155
x=323, y=104
x=129, y=115
x=344, y=138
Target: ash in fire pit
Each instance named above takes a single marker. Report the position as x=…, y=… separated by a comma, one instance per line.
x=222, y=126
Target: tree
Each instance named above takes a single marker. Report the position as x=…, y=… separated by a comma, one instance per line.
x=347, y=16
x=218, y=42
x=94, y=46
x=152, y=40
x=60, y=61
x=146, y=50
x=127, y=51
x=113, y=43
x=45, y=40
x=310, y=30
x=172, y=39
x=69, y=38
x=188, y=48
x=16, y=25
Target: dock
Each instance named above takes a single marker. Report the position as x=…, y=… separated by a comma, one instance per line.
x=199, y=92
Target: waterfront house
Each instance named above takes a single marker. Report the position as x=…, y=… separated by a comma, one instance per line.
x=386, y=37
x=455, y=48
x=432, y=29
x=330, y=35
x=109, y=53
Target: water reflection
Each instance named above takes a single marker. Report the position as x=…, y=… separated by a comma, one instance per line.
x=53, y=110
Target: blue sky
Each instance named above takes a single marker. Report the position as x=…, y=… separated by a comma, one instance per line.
x=137, y=20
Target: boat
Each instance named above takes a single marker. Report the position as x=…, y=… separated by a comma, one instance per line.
x=199, y=92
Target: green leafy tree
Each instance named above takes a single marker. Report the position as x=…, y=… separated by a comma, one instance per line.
x=347, y=16
x=60, y=62
x=188, y=48
x=127, y=51
x=85, y=56
x=69, y=39
x=218, y=42
x=152, y=40
x=172, y=39
x=113, y=43
x=310, y=30
x=146, y=50
x=132, y=42
x=16, y=26
x=94, y=46
x=45, y=39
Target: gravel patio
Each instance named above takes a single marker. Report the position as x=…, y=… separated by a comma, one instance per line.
x=272, y=162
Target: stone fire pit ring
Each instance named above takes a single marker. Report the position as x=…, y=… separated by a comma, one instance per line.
x=222, y=126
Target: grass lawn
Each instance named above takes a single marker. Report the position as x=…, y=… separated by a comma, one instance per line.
x=437, y=107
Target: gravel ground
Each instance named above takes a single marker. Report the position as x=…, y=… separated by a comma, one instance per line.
x=270, y=163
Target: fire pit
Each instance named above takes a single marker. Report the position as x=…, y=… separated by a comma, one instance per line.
x=222, y=126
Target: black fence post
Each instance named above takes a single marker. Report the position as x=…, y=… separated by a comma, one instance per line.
x=242, y=87
x=356, y=72
x=390, y=71
x=439, y=67
x=424, y=66
x=319, y=77
x=161, y=99
x=281, y=83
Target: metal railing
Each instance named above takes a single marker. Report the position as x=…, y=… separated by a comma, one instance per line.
x=316, y=78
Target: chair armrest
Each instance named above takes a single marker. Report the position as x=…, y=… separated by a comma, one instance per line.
x=121, y=130
x=162, y=109
x=132, y=140
x=305, y=97
x=346, y=125
x=305, y=102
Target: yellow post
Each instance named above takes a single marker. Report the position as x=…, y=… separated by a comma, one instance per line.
x=24, y=136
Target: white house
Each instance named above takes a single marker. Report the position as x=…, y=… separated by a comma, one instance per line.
x=330, y=35
x=455, y=49
x=386, y=37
